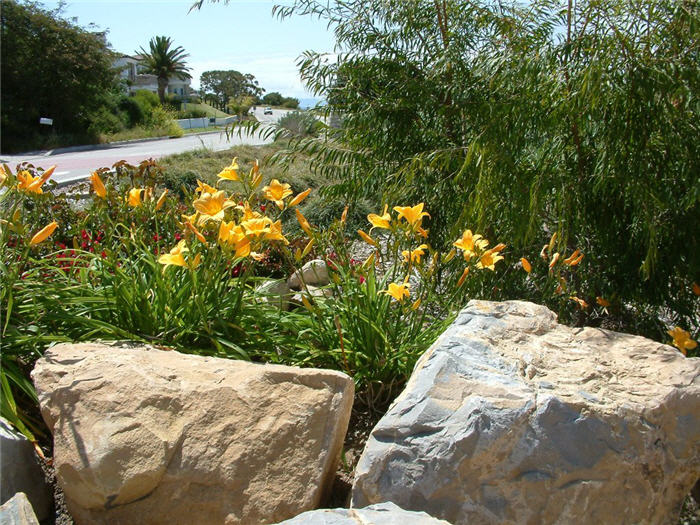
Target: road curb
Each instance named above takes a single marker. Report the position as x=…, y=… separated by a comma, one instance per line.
x=92, y=147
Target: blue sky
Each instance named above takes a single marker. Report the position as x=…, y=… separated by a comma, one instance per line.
x=242, y=35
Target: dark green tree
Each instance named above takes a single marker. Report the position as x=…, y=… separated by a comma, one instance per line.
x=50, y=68
x=226, y=85
x=165, y=62
x=273, y=99
x=519, y=119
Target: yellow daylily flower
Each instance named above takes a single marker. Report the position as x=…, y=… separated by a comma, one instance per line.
x=35, y=186
x=134, y=198
x=257, y=227
x=299, y=198
x=526, y=264
x=256, y=168
x=682, y=340
x=3, y=177
x=27, y=182
x=97, y=185
x=175, y=257
x=489, y=259
x=344, y=215
x=275, y=233
x=248, y=213
x=414, y=255
x=231, y=234
x=412, y=214
x=230, y=172
x=161, y=199
x=367, y=238
x=44, y=233
x=203, y=187
x=398, y=291
x=303, y=222
x=211, y=206
x=470, y=244
x=277, y=191
x=380, y=221
x=189, y=218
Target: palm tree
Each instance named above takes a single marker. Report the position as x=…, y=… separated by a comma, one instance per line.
x=164, y=62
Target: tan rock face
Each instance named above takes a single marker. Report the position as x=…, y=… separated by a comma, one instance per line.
x=511, y=418
x=156, y=437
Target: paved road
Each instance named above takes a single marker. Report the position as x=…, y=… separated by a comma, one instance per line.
x=79, y=164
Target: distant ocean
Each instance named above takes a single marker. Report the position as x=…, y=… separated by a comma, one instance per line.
x=306, y=103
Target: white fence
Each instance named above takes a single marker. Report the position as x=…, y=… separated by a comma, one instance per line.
x=205, y=122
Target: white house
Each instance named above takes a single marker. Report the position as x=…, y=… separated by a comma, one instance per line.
x=131, y=71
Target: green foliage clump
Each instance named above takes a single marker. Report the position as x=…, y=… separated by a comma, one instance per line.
x=50, y=68
x=523, y=121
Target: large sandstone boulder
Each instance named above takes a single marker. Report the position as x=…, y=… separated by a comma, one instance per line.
x=20, y=472
x=157, y=437
x=511, y=418
x=379, y=514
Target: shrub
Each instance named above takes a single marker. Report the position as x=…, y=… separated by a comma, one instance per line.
x=104, y=121
x=192, y=113
x=133, y=110
x=300, y=123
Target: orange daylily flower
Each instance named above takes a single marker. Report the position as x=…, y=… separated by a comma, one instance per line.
x=303, y=222
x=380, y=221
x=203, y=187
x=134, y=198
x=97, y=185
x=231, y=234
x=581, y=303
x=460, y=282
x=398, y=291
x=257, y=227
x=489, y=259
x=574, y=258
x=27, y=182
x=696, y=288
x=526, y=264
x=44, y=233
x=230, y=172
x=470, y=244
x=602, y=302
x=196, y=232
x=682, y=340
x=175, y=256
x=275, y=233
x=212, y=206
x=299, y=198
x=161, y=199
x=412, y=214
x=367, y=238
x=276, y=192
x=414, y=255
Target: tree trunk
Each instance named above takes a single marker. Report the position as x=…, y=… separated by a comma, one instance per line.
x=162, y=87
